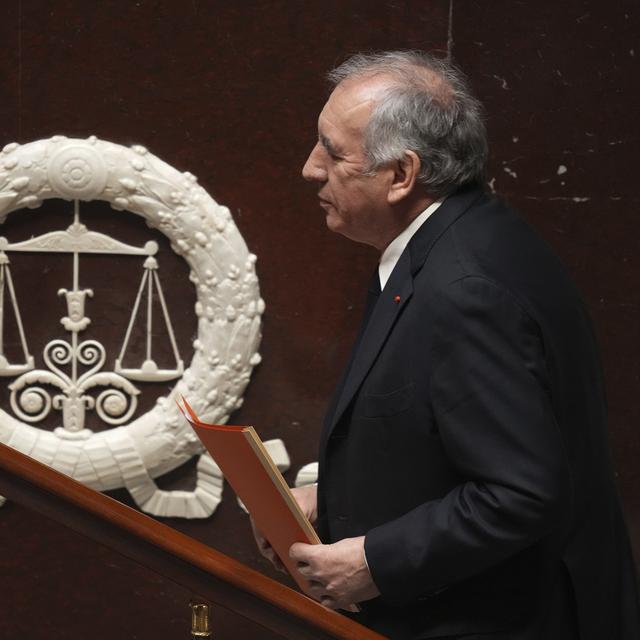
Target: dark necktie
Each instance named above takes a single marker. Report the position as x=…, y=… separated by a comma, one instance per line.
x=373, y=293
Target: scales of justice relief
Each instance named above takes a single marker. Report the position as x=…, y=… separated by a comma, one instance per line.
x=72, y=376
x=118, y=401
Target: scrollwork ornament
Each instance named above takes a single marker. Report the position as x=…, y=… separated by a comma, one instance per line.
x=114, y=407
x=32, y=404
x=91, y=354
x=228, y=311
x=56, y=354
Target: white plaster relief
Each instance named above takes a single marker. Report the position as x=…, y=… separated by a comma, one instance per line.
x=307, y=474
x=228, y=309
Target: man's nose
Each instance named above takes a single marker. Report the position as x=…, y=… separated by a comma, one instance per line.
x=314, y=169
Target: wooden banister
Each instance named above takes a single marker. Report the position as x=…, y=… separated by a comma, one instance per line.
x=206, y=572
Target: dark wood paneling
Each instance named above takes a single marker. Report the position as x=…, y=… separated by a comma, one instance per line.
x=10, y=72
x=559, y=81
x=205, y=572
x=59, y=585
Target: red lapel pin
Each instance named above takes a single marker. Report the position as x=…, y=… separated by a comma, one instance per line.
x=396, y=299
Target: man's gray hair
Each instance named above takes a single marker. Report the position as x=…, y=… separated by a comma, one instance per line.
x=428, y=109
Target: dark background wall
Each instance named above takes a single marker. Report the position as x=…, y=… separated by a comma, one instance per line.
x=230, y=90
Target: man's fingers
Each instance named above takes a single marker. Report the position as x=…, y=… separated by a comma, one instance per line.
x=319, y=591
x=274, y=558
x=323, y=592
x=266, y=550
x=278, y=564
x=303, y=555
x=301, y=552
x=303, y=569
x=261, y=541
x=268, y=553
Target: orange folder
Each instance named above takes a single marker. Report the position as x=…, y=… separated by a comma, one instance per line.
x=248, y=467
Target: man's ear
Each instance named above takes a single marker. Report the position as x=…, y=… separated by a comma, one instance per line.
x=404, y=177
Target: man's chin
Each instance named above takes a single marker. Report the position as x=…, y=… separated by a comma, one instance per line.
x=333, y=222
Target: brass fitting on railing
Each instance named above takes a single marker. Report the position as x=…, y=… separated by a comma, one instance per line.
x=200, y=621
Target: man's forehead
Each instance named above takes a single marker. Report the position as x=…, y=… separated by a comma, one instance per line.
x=351, y=102
x=360, y=92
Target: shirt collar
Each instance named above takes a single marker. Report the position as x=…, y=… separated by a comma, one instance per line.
x=392, y=253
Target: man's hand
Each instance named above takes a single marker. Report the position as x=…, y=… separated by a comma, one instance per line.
x=337, y=573
x=307, y=499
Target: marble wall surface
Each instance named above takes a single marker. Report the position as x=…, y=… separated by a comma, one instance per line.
x=231, y=91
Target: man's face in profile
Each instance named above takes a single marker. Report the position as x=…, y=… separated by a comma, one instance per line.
x=355, y=203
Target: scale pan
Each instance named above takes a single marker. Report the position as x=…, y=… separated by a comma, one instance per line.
x=149, y=372
x=10, y=370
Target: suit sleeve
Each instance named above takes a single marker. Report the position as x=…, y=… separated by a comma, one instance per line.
x=490, y=398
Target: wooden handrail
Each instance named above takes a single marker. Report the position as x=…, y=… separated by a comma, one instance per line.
x=192, y=564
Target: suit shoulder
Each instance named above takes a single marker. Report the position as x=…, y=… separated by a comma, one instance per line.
x=493, y=243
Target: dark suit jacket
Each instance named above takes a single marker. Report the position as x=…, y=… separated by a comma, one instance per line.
x=467, y=440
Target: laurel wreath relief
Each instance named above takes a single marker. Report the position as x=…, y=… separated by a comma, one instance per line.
x=228, y=310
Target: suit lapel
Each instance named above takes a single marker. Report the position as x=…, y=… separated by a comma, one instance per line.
x=392, y=300
x=395, y=297
x=372, y=298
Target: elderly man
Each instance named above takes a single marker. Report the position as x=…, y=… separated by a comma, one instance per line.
x=465, y=488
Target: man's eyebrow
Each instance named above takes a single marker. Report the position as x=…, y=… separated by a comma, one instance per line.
x=327, y=144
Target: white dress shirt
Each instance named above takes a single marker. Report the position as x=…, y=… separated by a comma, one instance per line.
x=392, y=253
